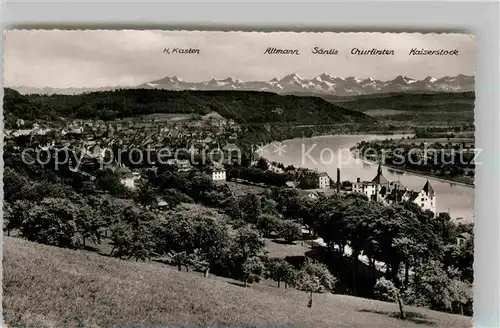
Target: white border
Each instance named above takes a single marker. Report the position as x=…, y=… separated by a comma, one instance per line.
x=479, y=18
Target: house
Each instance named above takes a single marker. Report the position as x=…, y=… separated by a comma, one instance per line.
x=389, y=192
x=95, y=151
x=184, y=166
x=317, y=193
x=214, y=119
x=181, y=165
x=76, y=130
x=275, y=169
x=463, y=238
x=324, y=181
x=218, y=173
x=379, y=188
x=369, y=188
x=161, y=203
x=425, y=198
x=311, y=194
x=127, y=177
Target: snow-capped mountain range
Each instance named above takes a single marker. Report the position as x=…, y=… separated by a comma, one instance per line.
x=323, y=83
x=293, y=83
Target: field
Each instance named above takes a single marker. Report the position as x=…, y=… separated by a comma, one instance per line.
x=443, y=141
x=51, y=287
x=165, y=117
x=240, y=188
x=383, y=112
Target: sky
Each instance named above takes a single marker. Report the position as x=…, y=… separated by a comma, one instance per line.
x=102, y=58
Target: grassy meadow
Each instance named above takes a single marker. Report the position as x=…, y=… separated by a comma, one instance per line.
x=52, y=287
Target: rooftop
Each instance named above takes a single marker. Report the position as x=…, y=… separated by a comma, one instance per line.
x=428, y=189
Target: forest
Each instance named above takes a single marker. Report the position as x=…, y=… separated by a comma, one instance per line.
x=244, y=107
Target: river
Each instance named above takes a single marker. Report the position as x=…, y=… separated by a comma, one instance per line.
x=327, y=153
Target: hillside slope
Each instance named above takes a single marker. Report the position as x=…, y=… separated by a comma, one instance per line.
x=245, y=107
x=454, y=102
x=421, y=108
x=51, y=287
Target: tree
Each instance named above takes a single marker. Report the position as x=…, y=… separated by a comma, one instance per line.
x=314, y=277
x=55, y=221
x=262, y=164
x=212, y=243
x=108, y=181
x=410, y=252
x=290, y=231
x=251, y=208
x=248, y=242
x=294, y=207
x=431, y=286
x=269, y=206
x=403, y=236
x=461, y=293
x=13, y=184
x=232, y=208
x=146, y=195
x=245, y=244
x=15, y=214
x=358, y=219
x=136, y=234
x=178, y=259
x=198, y=260
x=201, y=234
x=268, y=224
x=253, y=269
x=89, y=224
x=386, y=290
x=280, y=270
x=437, y=288
x=331, y=222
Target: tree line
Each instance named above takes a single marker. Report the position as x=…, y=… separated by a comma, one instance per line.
x=245, y=107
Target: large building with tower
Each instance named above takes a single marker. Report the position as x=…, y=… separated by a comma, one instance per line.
x=389, y=192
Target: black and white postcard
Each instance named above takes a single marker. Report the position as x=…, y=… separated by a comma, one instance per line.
x=238, y=179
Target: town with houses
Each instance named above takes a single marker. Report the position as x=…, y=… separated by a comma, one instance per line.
x=201, y=135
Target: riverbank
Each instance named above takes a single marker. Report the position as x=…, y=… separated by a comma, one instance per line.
x=375, y=137
x=368, y=137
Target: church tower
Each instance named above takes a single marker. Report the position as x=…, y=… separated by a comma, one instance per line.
x=379, y=179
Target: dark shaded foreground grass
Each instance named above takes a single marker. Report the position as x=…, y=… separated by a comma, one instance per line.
x=52, y=287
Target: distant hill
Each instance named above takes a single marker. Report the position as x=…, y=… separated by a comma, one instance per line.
x=449, y=108
x=245, y=107
x=449, y=101
x=45, y=286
